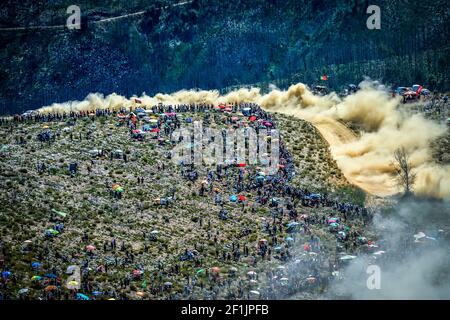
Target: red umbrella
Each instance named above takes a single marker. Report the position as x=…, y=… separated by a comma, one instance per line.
x=241, y=198
x=241, y=164
x=155, y=130
x=252, y=118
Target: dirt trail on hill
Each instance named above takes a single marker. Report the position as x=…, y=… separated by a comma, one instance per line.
x=337, y=134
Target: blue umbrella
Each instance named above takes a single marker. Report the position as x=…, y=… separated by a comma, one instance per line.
x=97, y=293
x=35, y=265
x=289, y=239
x=81, y=296
x=51, y=275
x=6, y=274
x=233, y=198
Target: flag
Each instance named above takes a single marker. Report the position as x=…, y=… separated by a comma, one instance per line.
x=419, y=89
x=324, y=77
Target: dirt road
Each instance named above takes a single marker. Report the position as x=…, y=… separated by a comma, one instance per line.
x=337, y=135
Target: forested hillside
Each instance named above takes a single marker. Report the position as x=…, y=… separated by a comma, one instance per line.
x=212, y=44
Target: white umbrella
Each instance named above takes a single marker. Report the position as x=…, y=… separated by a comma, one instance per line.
x=255, y=293
x=347, y=257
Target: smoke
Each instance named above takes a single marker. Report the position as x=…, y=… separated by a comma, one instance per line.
x=409, y=269
x=366, y=160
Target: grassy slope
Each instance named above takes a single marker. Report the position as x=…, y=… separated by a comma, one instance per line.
x=28, y=198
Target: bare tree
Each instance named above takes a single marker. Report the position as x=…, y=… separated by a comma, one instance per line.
x=405, y=174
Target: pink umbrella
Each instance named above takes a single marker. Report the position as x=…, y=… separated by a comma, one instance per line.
x=137, y=272
x=90, y=247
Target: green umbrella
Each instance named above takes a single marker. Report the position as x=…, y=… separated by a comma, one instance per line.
x=52, y=231
x=200, y=271
x=62, y=214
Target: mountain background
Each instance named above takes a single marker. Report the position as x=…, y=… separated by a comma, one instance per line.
x=212, y=44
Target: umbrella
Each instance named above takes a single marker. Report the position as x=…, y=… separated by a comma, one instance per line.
x=289, y=239
x=292, y=224
x=334, y=225
x=36, y=278
x=6, y=274
x=51, y=232
x=50, y=288
x=168, y=284
x=233, y=198
x=140, y=293
x=81, y=296
x=51, y=275
x=137, y=272
x=154, y=232
x=72, y=283
x=35, y=265
x=201, y=271
x=233, y=269
x=241, y=198
x=90, y=248
x=215, y=270
x=23, y=291
x=251, y=273
x=60, y=213
x=255, y=293
x=347, y=257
